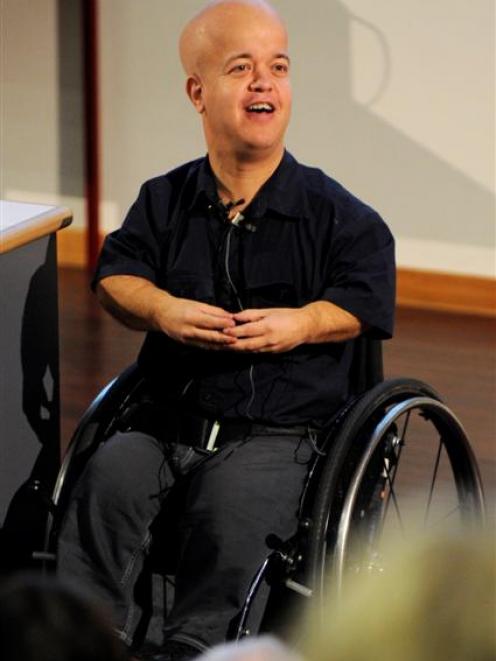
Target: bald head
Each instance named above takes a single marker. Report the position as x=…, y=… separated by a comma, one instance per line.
x=235, y=54
x=209, y=26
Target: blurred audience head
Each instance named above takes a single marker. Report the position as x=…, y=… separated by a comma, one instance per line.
x=434, y=600
x=262, y=648
x=42, y=619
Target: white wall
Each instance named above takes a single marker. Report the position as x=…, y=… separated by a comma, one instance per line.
x=403, y=97
x=41, y=154
x=394, y=99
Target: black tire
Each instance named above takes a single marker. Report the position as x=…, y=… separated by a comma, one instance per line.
x=357, y=480
x=109, y=411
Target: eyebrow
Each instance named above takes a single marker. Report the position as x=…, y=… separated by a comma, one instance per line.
x=248, y=56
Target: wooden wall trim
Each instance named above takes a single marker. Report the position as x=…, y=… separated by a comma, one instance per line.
x=92, y=129
x=431, y=290
x=428, y=290
x=72, y=247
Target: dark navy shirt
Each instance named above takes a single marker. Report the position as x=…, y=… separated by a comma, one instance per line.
x=303, y=238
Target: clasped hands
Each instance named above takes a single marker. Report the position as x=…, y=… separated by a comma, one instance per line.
x=255, y=330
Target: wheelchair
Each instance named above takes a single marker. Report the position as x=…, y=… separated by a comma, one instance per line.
x=393, y=442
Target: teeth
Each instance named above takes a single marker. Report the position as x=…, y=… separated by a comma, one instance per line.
x=261, y=107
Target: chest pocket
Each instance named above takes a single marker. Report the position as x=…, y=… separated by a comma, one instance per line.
x=190, y=285
x=267, y=290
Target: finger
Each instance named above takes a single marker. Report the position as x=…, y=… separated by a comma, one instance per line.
x=251, y=345
x=250, y=315
x=211, y=338
x=215, y=311
x=249, y=329
x=205, y=320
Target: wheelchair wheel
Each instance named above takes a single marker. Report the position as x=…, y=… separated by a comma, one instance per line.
x=399, y=450
x=110, y=411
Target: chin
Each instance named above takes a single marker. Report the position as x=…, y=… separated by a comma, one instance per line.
x=263, y=144
x=252, y=150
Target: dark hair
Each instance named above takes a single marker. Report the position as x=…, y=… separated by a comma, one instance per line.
x=42, y=619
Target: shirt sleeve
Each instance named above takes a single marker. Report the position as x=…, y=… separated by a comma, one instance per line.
x=135, y=248
x=361, y=274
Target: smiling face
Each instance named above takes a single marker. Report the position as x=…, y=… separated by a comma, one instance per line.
x=235, y=54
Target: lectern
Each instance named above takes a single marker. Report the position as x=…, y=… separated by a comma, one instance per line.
x=29, y=358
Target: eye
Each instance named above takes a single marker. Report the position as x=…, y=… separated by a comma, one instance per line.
x=241, y=67
x=281, y=68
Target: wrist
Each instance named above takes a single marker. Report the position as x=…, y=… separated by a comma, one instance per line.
x=158, y=306
x=310, y=322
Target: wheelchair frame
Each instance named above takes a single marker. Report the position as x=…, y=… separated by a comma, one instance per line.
x=350, y=486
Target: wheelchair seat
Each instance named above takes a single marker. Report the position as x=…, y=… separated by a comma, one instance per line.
x=395, y=441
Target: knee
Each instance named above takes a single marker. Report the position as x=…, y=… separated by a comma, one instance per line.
x=122, y=468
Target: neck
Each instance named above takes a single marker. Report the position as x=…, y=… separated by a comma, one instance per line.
x=242, y=178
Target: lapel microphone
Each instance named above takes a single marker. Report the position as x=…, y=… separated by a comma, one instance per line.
x=231, y=204
x=224, y=210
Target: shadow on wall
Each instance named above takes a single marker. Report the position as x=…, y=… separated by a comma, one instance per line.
x=412, y=186
x=24, y=525
x=40, y=365
x=422, y=196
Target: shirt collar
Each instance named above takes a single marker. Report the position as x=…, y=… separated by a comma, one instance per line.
x=283, y=193
x=202, y=180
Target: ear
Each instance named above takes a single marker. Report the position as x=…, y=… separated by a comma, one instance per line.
x=194, y=90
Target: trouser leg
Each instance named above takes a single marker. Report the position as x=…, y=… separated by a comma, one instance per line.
x=246, y=492
x=106, y=531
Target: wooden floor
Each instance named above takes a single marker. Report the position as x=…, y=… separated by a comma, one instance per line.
x=455, y=354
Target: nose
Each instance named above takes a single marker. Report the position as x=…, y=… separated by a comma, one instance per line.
x=261, y=81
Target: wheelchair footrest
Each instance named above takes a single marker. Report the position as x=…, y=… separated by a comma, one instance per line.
x=298, y=587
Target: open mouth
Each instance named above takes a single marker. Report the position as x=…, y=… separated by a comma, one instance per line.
x=261, y=108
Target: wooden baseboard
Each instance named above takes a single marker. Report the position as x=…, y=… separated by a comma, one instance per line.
x=416, y=289
x=72, y=247
x=428, y=290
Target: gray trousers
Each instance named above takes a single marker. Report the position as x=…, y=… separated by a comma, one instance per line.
x=214, y=522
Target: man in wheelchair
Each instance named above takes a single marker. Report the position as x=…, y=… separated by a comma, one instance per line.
x=251, y=274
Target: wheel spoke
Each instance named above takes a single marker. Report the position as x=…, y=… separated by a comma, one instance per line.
x=392, y=496
x=367, y=513
x=452, y=511
x=433, y=481
x=400, y=443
